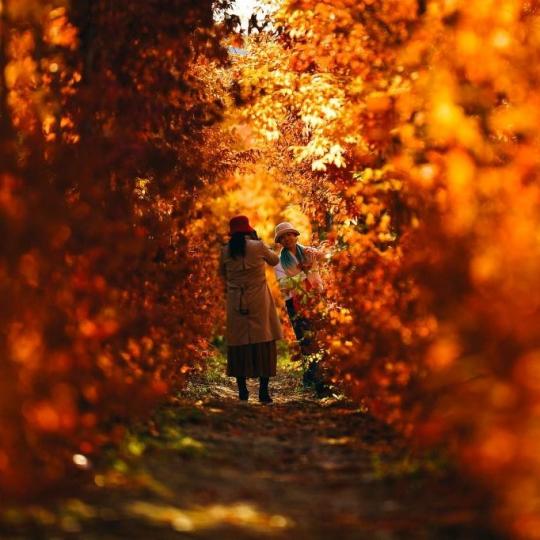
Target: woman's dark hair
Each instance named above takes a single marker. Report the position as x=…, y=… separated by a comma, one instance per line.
x=237, y=243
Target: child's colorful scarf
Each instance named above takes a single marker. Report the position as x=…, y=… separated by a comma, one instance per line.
x=289, y=262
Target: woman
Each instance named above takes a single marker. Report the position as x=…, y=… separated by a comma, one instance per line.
x=297, y=274
x=252, y=322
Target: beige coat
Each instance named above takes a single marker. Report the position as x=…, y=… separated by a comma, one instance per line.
x=251, y=312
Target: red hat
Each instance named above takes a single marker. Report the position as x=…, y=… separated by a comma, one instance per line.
x=240, y=224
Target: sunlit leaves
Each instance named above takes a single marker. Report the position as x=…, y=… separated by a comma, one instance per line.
x=418, y=124
x=59, y=31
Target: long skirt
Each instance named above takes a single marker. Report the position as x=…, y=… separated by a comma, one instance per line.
x=252, y=360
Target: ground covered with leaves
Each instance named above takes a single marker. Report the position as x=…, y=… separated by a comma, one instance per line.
x=208, y=466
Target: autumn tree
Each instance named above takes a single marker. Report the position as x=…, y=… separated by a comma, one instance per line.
x=418, y=120
x=104, y=112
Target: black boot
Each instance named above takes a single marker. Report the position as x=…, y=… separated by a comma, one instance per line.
x=309, y=379
x=264, y=396
x=243, y=393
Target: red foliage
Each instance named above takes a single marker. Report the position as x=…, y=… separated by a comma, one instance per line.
x=105, y=295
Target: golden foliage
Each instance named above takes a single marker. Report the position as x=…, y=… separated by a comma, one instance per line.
x=405, y=132
x=419, y=121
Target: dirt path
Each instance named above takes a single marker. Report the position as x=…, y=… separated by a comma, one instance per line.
x=212, y=467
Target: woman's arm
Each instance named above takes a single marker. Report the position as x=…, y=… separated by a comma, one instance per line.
x=269, y=256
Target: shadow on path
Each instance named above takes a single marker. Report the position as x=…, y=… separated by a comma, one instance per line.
x=209, y=466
